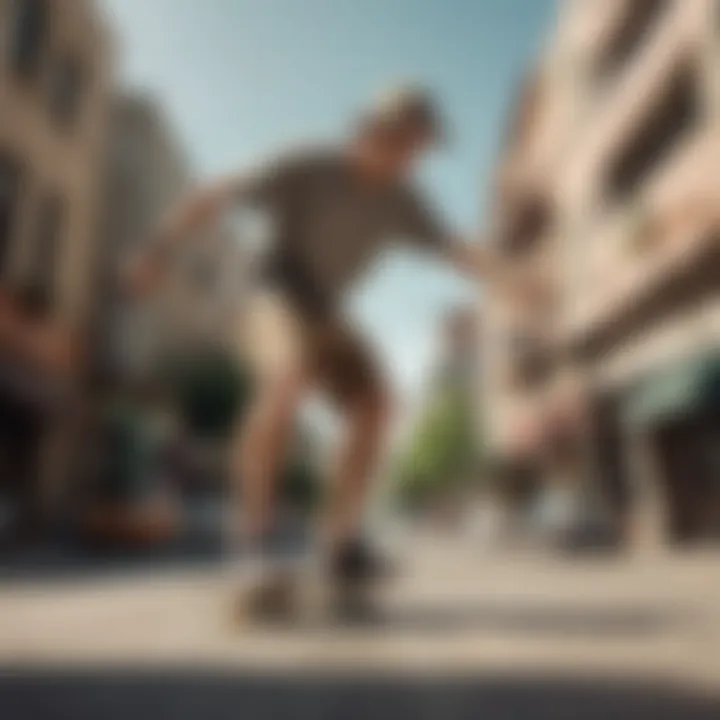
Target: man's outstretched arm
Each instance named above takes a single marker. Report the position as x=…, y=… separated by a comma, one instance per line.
x=195, y=213
x=474, y=258
x=475, y=261
x=478, y=262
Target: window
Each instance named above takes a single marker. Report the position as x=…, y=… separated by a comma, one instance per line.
x=9, y=197
x=677, y=112
x=65, y=87
x=528, y=222
x=28, y=30
x=42, y=266
x=638, y=19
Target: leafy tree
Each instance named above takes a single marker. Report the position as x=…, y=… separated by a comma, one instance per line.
x=442, y=449
x=212, y=391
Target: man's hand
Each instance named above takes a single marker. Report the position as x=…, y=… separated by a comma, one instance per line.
x=476, y=261
x=528, y=289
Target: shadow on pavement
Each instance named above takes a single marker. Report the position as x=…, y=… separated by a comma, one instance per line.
x=138, y=695
x=556, y=619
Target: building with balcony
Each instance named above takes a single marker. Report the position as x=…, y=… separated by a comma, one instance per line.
x=56, y=63
x=608, y=187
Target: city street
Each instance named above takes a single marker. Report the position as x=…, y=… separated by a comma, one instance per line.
x=461, y=632
x=245, y=273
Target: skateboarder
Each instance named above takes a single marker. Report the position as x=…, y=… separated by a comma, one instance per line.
x=333, y=210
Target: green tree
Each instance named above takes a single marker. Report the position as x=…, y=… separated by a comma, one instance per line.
x=442, y=451
x=212, y=391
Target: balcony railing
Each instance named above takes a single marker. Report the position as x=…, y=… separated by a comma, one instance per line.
x=634, y=26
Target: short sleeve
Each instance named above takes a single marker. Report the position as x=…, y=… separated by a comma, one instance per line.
x=276, y=181
x=419, y=224
x=267, y=183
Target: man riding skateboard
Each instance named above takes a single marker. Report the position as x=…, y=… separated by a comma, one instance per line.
x=333, y=210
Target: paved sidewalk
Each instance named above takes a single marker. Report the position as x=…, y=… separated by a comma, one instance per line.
x=454, y=614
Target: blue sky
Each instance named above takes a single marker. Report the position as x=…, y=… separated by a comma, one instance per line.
x=241, y=78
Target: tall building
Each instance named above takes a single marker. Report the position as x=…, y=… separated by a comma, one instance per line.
x=55, y=68
x=608, y=186
x=459, y=357
x=56, y=61
x=149, y=172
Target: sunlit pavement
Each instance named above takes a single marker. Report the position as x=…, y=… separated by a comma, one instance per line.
x=456, y=609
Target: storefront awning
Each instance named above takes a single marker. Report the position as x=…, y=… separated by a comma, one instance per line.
x=687, y=388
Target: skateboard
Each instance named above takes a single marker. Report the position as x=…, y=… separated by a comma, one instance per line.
x=294, y=595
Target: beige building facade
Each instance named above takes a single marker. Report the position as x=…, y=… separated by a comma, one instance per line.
x=608, y=187
x=56, y=67
x=55, y=75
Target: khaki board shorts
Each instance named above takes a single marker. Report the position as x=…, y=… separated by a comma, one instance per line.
x=276, y=339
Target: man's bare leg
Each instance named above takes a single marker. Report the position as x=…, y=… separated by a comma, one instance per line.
x=265, y=585
x=367, y=423
x=259, y=451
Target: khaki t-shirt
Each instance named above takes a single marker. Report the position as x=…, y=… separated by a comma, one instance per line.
x=330, y=225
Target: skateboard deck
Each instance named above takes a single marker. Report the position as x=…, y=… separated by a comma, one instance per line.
x=296, y=595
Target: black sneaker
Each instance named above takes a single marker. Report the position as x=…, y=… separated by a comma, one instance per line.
x=356, y=562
